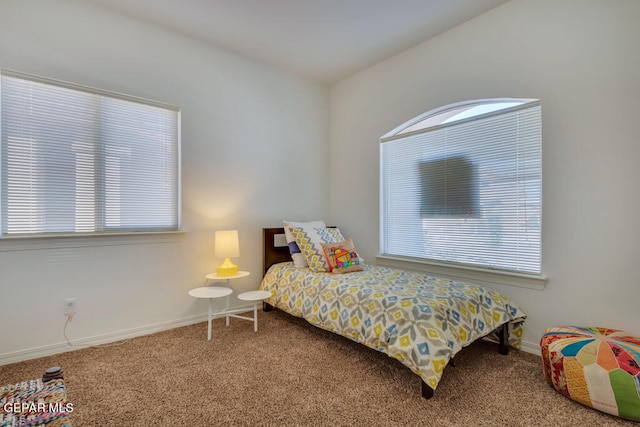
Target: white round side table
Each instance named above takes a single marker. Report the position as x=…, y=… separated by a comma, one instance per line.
x=211, y=293
x=214, y=276
x=255, y=297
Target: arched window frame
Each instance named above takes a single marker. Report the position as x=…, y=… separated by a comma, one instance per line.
x=437, y=120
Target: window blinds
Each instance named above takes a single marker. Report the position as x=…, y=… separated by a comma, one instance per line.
x=468, y=193
x=79, y=160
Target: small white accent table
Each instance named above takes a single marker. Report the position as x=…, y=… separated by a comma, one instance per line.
x=227, y=279
x=214, y=276
x=211, y=293
x=255, y=297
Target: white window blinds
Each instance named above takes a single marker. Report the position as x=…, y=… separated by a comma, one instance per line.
x=467, y=192
x=80, y=160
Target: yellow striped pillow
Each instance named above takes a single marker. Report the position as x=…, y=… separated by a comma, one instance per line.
x=310, y=241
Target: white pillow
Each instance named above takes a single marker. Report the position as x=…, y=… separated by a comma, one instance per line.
x=296, y=255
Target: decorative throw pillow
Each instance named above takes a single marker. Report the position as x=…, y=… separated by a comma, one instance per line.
x=310, y=242
x=342, y=257
x=296, y=255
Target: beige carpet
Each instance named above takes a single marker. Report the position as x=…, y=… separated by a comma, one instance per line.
x=291, y=373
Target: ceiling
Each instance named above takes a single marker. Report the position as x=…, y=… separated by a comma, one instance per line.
x=322, y=40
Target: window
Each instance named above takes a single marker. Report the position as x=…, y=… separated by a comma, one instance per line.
x=81, y=160
x=462, y=185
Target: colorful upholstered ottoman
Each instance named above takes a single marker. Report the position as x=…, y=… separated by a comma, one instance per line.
x=597, y=367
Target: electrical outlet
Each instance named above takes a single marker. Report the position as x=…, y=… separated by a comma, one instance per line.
x=70, y=306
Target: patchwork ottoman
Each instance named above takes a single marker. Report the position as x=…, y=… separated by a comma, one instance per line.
x=597, y=367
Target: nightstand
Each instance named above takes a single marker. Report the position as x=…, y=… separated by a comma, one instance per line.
x=255, y=297
x=215, y=277
x=211, y=293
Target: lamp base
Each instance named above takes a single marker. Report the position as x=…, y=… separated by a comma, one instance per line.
x=227, y=269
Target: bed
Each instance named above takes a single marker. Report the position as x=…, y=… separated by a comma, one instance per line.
x=420, y=320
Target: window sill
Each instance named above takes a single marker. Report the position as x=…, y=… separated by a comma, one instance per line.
x=529, y=281
x=60, y=241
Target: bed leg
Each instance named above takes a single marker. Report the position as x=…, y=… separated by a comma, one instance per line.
x=504, y=339
x=427, y=392
x=266, y=306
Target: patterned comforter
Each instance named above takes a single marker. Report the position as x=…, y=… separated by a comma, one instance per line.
x=421, y=320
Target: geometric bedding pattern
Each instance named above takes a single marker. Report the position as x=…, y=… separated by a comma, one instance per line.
x=597, y=367
x=420, y=320
x=34, y=403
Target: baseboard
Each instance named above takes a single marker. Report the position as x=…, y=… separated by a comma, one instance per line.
x=529, y=347
x=63, y=347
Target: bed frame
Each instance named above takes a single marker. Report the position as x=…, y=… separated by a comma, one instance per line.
x=276, y=250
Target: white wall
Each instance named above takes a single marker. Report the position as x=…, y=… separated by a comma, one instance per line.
x=249, y=135
x=581, y=58
x=249, y=132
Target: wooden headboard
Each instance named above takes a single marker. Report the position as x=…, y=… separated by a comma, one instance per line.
x=274, y=247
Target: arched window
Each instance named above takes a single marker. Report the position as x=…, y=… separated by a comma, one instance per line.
x=462, y=185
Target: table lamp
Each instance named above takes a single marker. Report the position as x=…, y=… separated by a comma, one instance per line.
x=227, y=246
